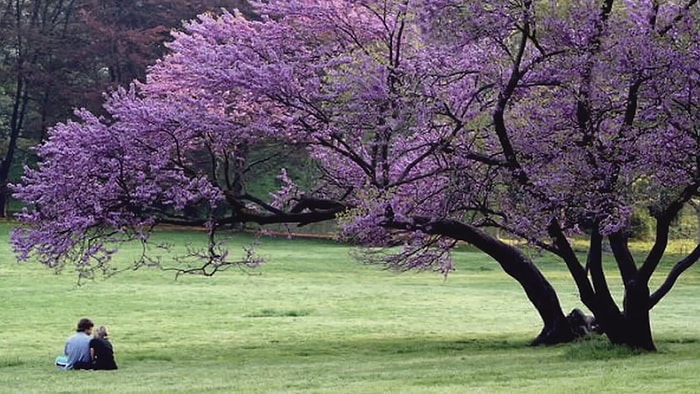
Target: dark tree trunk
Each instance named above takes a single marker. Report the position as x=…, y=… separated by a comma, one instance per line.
x=633, y=331
x=540, y=293
x=636, y=330
x=638, y=333
x=3, y=201
x=632, y=327
x=538, y=290
x=19, y=109
x=697, y=218
x=556, y=330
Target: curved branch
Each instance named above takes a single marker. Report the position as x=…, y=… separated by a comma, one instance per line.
x=663, y=224
x=595, y=265
x=623, y=257
x=673, y=276
x=566, y=252
x=504, y=97
x=300, y=218
x=538, y=290
x=261, y=203
x=657, y=250
x=308, y=210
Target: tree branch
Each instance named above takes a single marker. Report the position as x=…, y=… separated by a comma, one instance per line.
x=677, y=18
x=577, y=271
x=663, y=224
x=652, y=260
x=595, y=265
x=623, y=257
x=673, y=275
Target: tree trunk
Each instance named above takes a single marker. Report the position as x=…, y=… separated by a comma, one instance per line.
x=633, y=326
x=636, y=316
x=697, y=217
x=633, y=331
x=638, y=333
x=556, y=330
x=3, y=201
x=19, y=110
x=518, y=266
x=540, y=293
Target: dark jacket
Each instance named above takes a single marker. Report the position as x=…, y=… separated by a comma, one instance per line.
x=104, y=355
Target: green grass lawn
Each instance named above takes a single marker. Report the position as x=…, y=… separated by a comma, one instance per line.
x=313, y=320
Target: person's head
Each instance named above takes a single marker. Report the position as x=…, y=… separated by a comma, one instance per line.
x=85, y=325
x=102, y=332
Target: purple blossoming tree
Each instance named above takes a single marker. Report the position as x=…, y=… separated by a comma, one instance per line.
x=430, y=120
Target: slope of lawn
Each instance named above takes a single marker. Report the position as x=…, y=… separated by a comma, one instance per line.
x=314, y=320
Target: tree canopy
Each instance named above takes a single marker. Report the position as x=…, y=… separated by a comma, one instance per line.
x=429, y=120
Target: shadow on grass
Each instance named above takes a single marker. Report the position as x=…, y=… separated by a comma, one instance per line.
x=280, y=313
x=676, y=341
x=597, y=348
x=440, y=346
x=389, y=347
x=283, y=351
x=149, y=357
x=10, y=362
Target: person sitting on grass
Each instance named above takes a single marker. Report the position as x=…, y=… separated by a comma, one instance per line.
x=101, y=350
x=77, y=348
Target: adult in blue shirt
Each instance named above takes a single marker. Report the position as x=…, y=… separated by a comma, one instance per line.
x=78, y=346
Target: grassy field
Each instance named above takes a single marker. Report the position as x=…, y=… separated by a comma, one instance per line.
x=313, y=320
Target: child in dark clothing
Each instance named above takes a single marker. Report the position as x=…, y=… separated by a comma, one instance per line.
x=101, y=350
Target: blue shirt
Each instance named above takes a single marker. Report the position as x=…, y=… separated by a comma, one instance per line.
x=78, y=349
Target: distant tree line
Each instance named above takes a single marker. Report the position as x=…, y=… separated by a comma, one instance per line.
x=56, y=55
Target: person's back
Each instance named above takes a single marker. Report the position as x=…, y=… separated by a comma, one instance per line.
x=101, y=350
x=102, y=353
x=78, y=346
